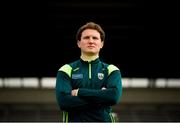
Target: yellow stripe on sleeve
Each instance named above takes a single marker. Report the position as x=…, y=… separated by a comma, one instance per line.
x=67, y=69
x=111, y=68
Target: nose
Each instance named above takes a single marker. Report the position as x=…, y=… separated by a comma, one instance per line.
x=91, y=40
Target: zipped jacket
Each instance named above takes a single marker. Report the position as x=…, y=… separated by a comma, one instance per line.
x=92, y=104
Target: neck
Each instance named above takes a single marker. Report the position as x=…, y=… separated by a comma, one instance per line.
x=89, y=57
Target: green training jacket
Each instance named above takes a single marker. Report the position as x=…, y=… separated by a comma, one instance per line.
x=92, y=103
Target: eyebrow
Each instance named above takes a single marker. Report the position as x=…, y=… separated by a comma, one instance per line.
x=94, y=37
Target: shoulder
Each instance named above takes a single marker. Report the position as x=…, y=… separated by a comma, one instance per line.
x=110, y=67
x=67, y=68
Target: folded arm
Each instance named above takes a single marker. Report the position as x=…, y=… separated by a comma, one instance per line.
x=109, y=95
x=63, y=94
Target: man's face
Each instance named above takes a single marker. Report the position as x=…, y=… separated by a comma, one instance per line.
x=90, y=43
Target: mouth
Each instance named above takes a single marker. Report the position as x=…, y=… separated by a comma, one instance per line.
x=90, y=46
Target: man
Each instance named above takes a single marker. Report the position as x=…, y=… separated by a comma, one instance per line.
x=87, y=88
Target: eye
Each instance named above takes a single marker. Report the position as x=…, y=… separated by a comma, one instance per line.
x=95, y=38
x=86, y=37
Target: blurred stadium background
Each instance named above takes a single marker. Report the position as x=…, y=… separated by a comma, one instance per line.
x=38, y=38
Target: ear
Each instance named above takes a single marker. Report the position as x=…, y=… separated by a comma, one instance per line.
x=78, y=43
x=102, y=44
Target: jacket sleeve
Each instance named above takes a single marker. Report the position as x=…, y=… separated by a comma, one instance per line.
x=63, y=92
x=111, y=95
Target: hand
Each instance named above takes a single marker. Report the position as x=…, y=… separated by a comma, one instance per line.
x=103, y=88
x=74, y=92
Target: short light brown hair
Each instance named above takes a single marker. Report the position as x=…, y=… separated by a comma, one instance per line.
x=90, y=25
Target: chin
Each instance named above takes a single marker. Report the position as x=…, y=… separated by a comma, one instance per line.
x=91, y=53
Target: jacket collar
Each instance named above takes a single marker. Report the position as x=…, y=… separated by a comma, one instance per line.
x=92, y=61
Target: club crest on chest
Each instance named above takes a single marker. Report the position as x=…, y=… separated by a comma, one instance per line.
x=100, y=76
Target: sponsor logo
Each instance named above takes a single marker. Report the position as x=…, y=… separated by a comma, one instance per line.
x=77, y=76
